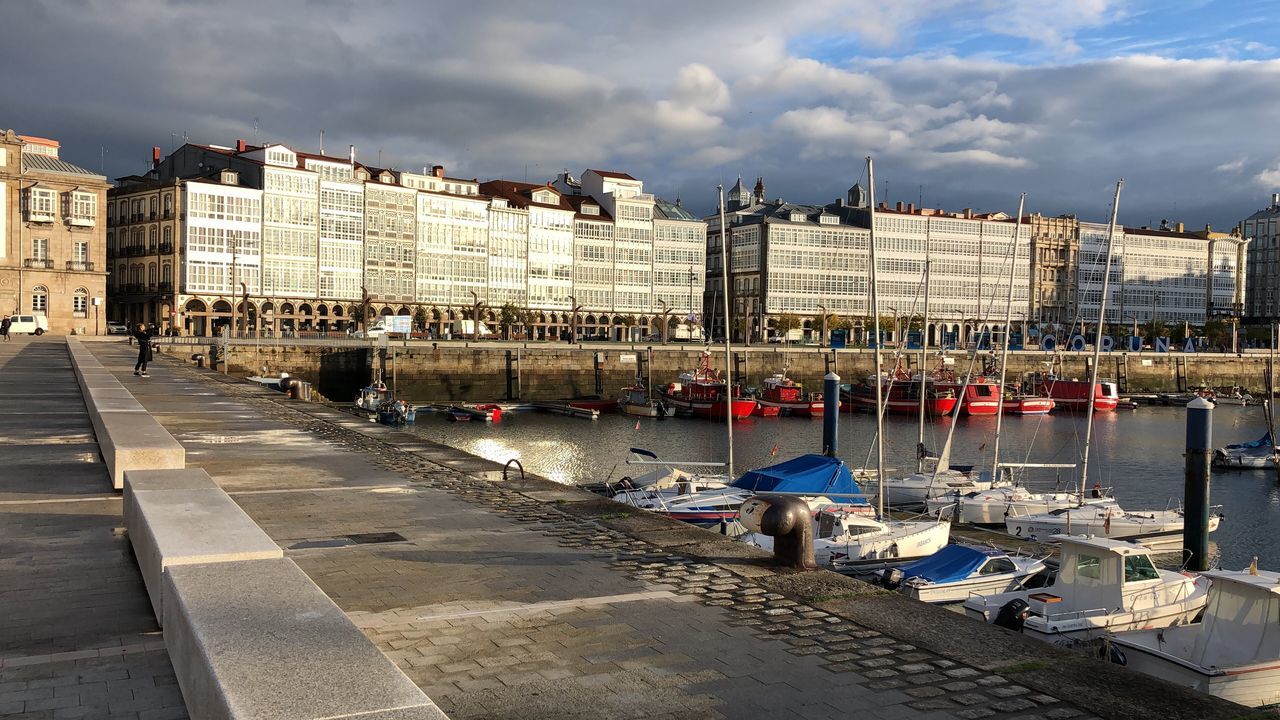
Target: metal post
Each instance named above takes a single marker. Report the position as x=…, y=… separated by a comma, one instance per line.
x=728, y=362
x=875, y=320
x=1097, y=342
x=830, y=414
x=1195, y=532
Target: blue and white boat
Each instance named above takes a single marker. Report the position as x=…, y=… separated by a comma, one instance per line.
x=1256, y=455
x=819, y=480
x=957, y=571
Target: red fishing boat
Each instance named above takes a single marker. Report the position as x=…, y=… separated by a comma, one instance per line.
x=1074, y=394
x=982, y=395
x=701, y=392
x=902, y=396
x=785, y=396
x=592, y=402
x=1027, y=405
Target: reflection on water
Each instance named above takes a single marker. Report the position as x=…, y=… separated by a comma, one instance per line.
x=1139, y=453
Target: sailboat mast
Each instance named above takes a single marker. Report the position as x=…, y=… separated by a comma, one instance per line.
x=875, y=325
x=1004, y=350
x=728, y=352
x=1097, y=339
x=924, y=352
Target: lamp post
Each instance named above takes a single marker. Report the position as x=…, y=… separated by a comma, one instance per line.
x=822, y=341
x=665, y=312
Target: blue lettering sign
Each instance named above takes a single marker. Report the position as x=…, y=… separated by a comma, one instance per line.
x=1162, y=344
x=1048, y=343
x=1189, y=346
x=1077, y=343
x=1107, y=343
x=1134, y=343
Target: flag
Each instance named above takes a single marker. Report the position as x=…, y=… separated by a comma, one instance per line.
x=637, y=424
x=774, y=451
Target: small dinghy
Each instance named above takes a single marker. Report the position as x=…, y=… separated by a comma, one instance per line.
x=957, y=571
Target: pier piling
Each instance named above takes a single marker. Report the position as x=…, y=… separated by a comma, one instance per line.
x=1195, y=531
x=830, y=413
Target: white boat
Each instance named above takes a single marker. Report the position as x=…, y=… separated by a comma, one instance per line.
x=664, y=484
x=1233, y=653
x=1257, y=455
x=957, y=571
x=917, y=489
x=844, y=534
x=635, y=400
x=371, y=396
x=1102, y=586
x=990, y=507
x=1109, y=521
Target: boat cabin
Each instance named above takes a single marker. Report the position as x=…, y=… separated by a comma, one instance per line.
x=1240, y=623
x=1099, y=576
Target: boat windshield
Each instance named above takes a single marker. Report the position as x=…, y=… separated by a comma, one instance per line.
x=1138, y=568
x=997, y=566
x=1088, y=566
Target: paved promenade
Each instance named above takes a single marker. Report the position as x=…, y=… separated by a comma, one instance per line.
x=77, y=636
x=528, y=600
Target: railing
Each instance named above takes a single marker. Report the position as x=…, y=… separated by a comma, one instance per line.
x=37, y=264
x=166, y=287
x=166, y=248
x=133, y=250
x=80, y=265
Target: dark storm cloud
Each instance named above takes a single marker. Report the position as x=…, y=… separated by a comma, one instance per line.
x=684, y=95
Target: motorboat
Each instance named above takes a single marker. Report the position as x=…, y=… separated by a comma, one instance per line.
x=1027, y=405
x=1103, y=586
x=661, y=484
x=1075, y=394
x=915, y=490
x=843, y=534
x=371, y=397
x=1256, y=455
x=1233, y=653
x=635, y=400
x=592, y=402
x=702, y=392
x=982, y=395
x=992, y=506
x=818, y=479
x=1109, y=521
x=397, y=412
x=788, y=397
x=901, y=395
x=766, y=410
x=957, y=571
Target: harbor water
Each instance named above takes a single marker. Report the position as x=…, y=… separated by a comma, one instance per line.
x=1138, y=453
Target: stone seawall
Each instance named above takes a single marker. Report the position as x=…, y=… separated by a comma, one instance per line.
x=502, y=371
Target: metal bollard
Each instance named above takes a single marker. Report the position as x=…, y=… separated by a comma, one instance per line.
x=198, y=358
x=1195, y=531
x=789, y=521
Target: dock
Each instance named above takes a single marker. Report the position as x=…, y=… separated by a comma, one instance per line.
x=566, y=409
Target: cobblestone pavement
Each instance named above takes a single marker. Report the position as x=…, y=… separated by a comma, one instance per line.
x=498, y=603
x=77, y=635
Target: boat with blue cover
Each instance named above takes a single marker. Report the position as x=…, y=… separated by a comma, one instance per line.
x=818, y=479
x=957, y=571
x=1255, y=455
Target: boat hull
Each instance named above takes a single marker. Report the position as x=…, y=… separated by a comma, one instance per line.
x=802, y=408
x=934, y=407
x=1137, y=525
x=639, y=410
x=599, y=404
x=1028, y=406
x=742, y=407
x=940, y=593
x=1252, y=684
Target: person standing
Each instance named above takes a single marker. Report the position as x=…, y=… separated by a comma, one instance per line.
x=143, y=336
x=4, y=328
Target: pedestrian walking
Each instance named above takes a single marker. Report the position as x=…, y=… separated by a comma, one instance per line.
x=143, y=336
x=4, y=328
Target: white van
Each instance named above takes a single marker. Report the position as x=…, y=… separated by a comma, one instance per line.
x=29, y=324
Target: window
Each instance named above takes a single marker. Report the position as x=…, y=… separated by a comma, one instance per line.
x=151, y=274
x=80, y=302
x=168, y=236
x=40, y=299
x=40, y=204
x=997, y=566
x=168, y=205
x=153, y=239
x=1138, y=568
x=40, y=249
x=84, y=208
x=154, y=205
x=1088, y=566
x=81, y=251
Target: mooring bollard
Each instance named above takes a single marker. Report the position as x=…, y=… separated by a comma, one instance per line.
x=1195, y=527
x=789, y=521
x=830, y=414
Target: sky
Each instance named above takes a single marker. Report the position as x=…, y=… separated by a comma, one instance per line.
x=961, y=104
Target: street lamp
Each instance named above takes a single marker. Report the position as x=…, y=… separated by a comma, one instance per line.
x=822, y=341
x=665, y=312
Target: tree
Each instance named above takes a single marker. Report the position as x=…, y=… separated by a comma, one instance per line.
x=785, y=323
x=508, y=315
x=839, y=322
x=527, y=318
x=420, y=318
x=1218, y=331
x=1155, y=329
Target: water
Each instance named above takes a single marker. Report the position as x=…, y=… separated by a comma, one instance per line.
x=1138, y=452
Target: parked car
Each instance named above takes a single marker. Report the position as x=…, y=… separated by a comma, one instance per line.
x=115, y=327
x=29, y=324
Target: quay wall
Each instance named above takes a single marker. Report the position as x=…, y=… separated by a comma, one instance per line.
x=508, y=371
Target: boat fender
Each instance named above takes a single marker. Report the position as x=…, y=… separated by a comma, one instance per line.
x=1013, y=614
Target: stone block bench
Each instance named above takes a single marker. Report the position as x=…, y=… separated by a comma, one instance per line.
x=128, y=437
x=182, y=517
x=258, y=639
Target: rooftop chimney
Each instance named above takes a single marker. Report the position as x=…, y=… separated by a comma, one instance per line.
x=155, y=156
x=968, y=213
x=911, y=208
x=437, y=170
x=241, y=145
x=898, y=206
x=351, y=154
x=1275, y=199
x=1183, y=228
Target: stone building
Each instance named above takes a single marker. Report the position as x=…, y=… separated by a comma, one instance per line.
x=52, y=236
x=1055, y=251
x=1262, y=229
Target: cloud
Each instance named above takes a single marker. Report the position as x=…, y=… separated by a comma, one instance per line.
x=732, y=87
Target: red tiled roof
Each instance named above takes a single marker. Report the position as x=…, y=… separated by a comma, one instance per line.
x=521, y=193
x=577, y=201
x=611, y=174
